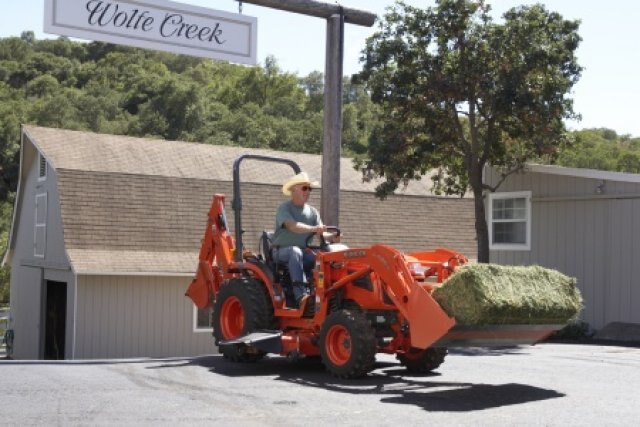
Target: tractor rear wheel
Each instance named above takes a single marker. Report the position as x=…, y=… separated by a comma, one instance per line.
x=347, y=344
x=242, y=306
x=423, y=361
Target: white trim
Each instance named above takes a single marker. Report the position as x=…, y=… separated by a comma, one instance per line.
x=512, y=246
x=37, y=225
x=131, y=273
x=583, y=173
x=195, y=328
x=8, y=254
x=75, y=316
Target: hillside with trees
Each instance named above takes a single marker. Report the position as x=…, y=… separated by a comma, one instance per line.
x=602, y=149
x=104, y=88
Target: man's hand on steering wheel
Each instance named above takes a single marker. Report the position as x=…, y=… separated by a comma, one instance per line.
x=321, y=232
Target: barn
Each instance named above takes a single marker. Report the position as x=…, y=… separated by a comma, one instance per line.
x=106, y=231
x=585, y=223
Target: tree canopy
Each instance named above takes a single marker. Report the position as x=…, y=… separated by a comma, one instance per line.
x=458, y=91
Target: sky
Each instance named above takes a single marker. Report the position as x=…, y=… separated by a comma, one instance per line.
x=609, y=51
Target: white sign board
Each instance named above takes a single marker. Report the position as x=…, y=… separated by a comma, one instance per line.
x=156, y=24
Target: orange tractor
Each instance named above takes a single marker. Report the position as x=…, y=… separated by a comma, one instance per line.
x=364, y=301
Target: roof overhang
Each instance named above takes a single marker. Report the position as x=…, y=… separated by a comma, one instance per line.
x=583, y=173
x=116, y=262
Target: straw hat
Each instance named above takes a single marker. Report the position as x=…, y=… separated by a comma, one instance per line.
x=301, y=178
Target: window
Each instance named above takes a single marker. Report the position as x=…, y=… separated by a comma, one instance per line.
x=40, y=226
x=509, y=219
x=42, y=173
x=202, y=320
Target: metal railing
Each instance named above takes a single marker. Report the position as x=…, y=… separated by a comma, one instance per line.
x=4, y=324
x=6, y=335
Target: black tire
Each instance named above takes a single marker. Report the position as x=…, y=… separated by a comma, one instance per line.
x=423, y=361
x=347, y=344
x=242, y=306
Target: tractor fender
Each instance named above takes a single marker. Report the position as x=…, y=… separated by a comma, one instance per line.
x=263, y=274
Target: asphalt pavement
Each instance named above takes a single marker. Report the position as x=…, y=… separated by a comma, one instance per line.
x=547, y=384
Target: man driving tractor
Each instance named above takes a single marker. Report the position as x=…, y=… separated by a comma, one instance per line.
x=296, y=221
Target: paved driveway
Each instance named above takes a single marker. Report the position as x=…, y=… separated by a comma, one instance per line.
x=550, y=384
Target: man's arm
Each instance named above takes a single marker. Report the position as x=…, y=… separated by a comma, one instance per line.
x=301, y=228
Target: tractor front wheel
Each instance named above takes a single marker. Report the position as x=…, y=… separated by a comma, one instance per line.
x=242, y=306
x=423, y=361
x=348, y=344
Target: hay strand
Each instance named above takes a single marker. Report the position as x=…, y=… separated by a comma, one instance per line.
x=481, y=294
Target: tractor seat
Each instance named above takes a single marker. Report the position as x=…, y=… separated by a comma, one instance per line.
x=266, y=246
x=266, y=249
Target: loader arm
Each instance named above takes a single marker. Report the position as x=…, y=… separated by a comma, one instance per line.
x=427, y=320
x=427, y=323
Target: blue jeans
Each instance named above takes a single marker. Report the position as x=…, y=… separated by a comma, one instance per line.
x=298, y=260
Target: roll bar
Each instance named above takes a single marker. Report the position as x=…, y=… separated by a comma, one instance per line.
x=237, y=199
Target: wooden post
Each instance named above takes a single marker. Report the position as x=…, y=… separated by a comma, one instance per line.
x=336, y=16
x=319, y=9
x=332, y=136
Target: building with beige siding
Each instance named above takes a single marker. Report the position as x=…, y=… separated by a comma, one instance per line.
x=106, y=232
x=584, y=223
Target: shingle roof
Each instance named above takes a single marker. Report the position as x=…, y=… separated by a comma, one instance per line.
x=134, y=206
x=102, y=261
x=66, y=149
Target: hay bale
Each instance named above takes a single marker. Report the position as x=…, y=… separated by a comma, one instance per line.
x=482, y=294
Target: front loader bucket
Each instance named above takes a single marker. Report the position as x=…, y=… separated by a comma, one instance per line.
x=495, y=335
x=427, y=321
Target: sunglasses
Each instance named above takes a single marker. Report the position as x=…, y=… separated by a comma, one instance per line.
x=306, y=188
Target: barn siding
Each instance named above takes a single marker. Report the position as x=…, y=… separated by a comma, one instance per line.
x=136, y=316
x=28, y=272
x=589, y=236
x=26, y=311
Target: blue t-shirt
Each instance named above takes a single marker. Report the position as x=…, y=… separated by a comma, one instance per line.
x=288, y=211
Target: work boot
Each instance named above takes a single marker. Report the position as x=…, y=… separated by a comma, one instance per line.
x=301, y=301
x=309, y=304
x=300, y=290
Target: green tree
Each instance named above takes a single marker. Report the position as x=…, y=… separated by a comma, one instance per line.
x=458, y=91
x=313, y=85
x=5, y=219
x=629, y=162
x=593, y=149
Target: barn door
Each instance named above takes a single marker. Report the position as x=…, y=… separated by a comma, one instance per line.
x=55, y=320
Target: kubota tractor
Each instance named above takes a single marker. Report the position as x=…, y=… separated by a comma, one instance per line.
x=364, y=301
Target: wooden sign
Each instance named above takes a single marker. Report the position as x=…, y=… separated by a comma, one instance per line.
x=157, y=24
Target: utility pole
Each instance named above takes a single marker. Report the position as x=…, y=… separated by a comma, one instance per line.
x=336, y=17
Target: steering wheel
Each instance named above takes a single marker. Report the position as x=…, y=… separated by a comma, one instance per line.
x=322, y=244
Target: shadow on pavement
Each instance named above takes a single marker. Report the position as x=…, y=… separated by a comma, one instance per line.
x=473, y=397
x=389, y=380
